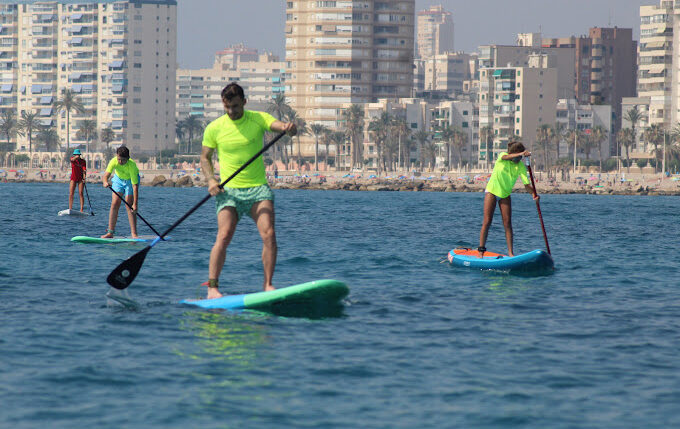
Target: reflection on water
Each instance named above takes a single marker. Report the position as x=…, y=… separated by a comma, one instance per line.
x=225, y=336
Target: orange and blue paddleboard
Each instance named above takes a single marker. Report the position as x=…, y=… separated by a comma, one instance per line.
x=536, y=260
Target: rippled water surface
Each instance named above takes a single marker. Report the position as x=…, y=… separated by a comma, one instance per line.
x=419, y=343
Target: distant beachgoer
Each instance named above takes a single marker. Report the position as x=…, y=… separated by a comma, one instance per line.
x=237, y=136
x=78, y=174
x=126, y=182
x=505, y=172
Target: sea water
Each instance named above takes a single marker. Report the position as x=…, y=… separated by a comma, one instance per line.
x=419, y=343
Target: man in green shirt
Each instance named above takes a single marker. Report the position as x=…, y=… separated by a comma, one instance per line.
x=505, y=172
x=237, y=136
x=125, y=181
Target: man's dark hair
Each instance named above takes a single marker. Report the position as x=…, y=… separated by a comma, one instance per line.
x=515, y=147
x=123, y=152
x=233, y=90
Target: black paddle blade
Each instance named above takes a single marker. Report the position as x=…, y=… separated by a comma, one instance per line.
x=125, y=273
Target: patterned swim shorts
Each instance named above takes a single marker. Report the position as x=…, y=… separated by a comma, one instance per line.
x=242, y=199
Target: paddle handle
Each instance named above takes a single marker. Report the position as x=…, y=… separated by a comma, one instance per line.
x=136, y=212
x=221, y=186
x=538, y=206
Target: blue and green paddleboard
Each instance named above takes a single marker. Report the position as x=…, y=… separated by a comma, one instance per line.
x=98, y=240
x=315, y=295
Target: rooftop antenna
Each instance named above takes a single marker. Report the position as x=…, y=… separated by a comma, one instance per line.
x=609, y=24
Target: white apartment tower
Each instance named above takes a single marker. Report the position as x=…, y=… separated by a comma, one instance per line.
x=435, y=32
x=347, y=51
x=659, y=61
x=118, y=57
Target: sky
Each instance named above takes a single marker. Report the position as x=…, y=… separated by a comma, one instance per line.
x=207, y=26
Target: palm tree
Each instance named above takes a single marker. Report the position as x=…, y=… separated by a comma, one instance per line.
x=421, y=137
x=8, y=126
x=354, y=128
x=87, y=130
x=402, y=131
x=625, y=137
x=633, y=116
x=460, y=140
x=380, y=130
x=447, y=135
x=545, y=135
x=338, y=138
x=192, y=126
x=67, y=103
x=107, y=136
x=326, y=138
x=28, y=124
x=486, y=136
x=560, y=131
x=279, y=107
x=302, y=129
x=599, y=133
x=317, y=130
x=655, y=135
x=50, y=138
x=179, y=132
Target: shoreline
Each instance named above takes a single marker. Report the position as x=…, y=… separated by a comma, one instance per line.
x=584, y=183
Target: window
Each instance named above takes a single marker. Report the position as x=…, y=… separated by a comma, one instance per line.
x=517, y=120
x=465, y=112
x=138, y=65
x=414, y=125
x=465, y=125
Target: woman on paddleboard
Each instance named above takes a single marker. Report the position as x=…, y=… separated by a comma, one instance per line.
x=237, y=136
x=125, y=181
x=78, y=173
x=505, y=172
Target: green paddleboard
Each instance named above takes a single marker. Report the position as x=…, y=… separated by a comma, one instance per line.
x=310, y=296
x=98, y=240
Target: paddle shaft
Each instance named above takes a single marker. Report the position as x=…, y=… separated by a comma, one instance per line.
x=207, y=197
x=88, y=197
x=135, y=211
x=538, y=206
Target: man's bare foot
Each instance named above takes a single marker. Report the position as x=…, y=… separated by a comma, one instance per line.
x=213, y=293
x=134, y=235
x=269, y=288
x=107, y=235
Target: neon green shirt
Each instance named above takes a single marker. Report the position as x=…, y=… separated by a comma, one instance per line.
x=129, y=171
x=504, y=176
x=236, y=142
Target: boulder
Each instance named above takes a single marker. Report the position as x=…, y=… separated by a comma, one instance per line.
x=184, y=182
x=169, y=184
x=158, y=180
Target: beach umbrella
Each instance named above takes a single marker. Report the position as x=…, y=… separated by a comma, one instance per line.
x=12, y=171
x=21, y=171
x=372, y=176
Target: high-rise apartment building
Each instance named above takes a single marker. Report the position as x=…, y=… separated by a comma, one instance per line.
x=605, y=66
x=118, y=57
x=435, y=32
x=514, y=102
x=199, y=91
x=445, y=73
x=659, y=62
x=344, y=51
x=496, y=56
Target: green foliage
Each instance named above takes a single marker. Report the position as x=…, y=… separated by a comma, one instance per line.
x=22, y=158
x=143, y=158
x=641, y=163
x=610, y=164
x=168, y=153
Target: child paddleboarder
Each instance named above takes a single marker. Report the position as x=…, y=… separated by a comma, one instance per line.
x=78, y=173
x=505, y=172
x=125, y=181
